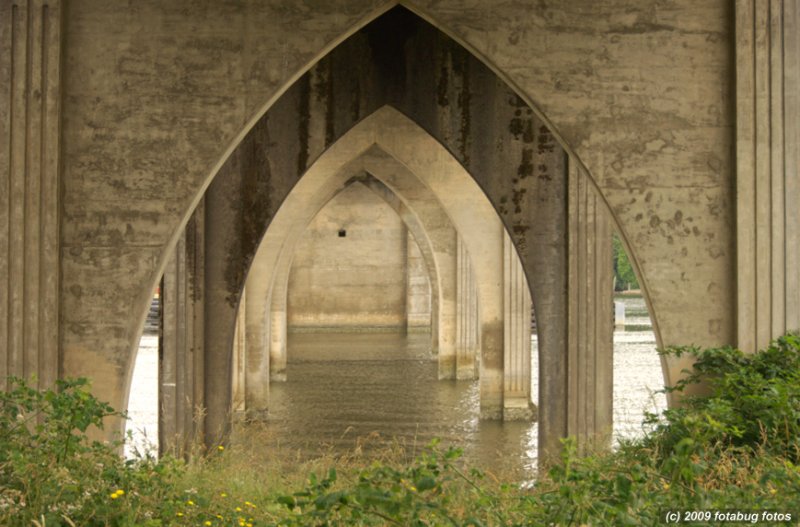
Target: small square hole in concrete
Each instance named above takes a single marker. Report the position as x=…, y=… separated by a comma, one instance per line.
x=342, y=233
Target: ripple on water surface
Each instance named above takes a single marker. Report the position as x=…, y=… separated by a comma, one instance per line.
x=343, y=388
x=391, y=394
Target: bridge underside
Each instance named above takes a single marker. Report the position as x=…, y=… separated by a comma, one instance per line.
x=163, y=139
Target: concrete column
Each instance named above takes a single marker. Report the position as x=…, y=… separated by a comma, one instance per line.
x=467, y=323
x=223, y=269
x=767, y=161
x=30, y=56
x=239, y=361
x=489, y=334
x=418, y=290
x=473, y=329
x=517, y=405
x=447, y=305
x=181, y=358
x=257, y=333
x=590, y=363
x=279, y=333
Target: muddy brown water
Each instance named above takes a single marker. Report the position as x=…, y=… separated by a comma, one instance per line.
x=369, y=391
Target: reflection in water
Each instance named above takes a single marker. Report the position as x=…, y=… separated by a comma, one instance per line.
x=342, y=388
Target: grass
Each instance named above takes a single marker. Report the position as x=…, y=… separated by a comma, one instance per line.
x=737, y=448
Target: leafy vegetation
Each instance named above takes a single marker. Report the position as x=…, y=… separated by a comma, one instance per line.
x=734, y=448
x=624, y=277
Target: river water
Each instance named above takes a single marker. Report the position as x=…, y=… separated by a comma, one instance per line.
x=367, y=391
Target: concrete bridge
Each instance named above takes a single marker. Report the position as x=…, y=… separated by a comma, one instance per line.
x=196, y=140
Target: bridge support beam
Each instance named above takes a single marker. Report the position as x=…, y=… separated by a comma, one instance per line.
x=251, y=358
x=239, y=361
x=257, y=328
x=30, y=38
x=517, y=405
x=590, y=363
x=767, y=163
x=223, y=263
x=418, y=289
x=279, y=332
x=181, y=351
x=467, y=319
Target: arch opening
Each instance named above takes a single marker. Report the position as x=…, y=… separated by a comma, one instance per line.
x=482, y=126
x=639, y=373
x=375, y=165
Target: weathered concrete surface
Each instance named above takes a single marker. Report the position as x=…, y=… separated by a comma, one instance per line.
x=468, y=324
x=156, y=94
x=30, y=62
x=417, y=207
x=181, y=358
x=590, y=361
x=464, y=203
x=768, y=157
x=257, y=374
x=517, y=306
x=356, y=281
x=418, y=289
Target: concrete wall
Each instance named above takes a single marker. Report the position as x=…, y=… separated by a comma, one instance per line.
x=155, y=95
x=356, y=282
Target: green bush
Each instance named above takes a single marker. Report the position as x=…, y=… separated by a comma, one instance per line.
x=753, y=401
x=735, y=448
x=52, y=474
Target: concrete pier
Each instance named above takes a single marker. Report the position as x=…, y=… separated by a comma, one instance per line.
x=30, y=200
x=181, y=358
x=676, y=121
x=517, y=405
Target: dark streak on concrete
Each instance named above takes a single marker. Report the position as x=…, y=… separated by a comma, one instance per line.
x=193, y=260
x=304, y=118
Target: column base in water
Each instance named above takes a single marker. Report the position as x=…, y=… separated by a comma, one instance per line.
x=519, y=409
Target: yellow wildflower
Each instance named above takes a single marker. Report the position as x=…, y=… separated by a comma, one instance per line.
x=207, y=523
x=223, y=495
x=190, y=503
x=220, y=448
x=238, y=509
x=120, y=492
x=179, y=514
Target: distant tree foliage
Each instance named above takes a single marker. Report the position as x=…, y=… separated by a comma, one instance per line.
x=624, y=277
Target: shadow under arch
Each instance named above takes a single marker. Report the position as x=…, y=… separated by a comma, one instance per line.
x=511, y=154
x=273, y=258
x=328, y=174
x=259, y=345
x=429, y=249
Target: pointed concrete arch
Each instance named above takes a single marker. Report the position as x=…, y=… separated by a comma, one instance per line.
x=273, y=260
x=481, y=230
x=616, y=123
x=261, y=346
x=439, y=272
x=436, y=234
x=528, y=185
